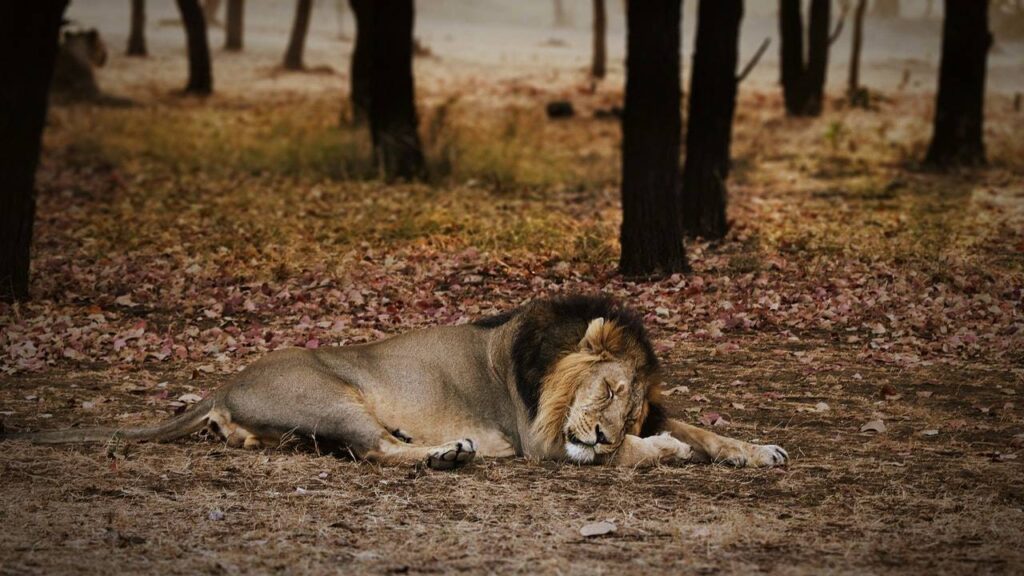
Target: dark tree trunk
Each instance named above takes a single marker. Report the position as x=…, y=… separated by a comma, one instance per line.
x=359, y=76
x=29, y=35
x=651, y=234
x=712, y=103
x=233, y=38
x=891, y=8
x=817, y=55
x=960, y=105
x=137, y=36
x=200, y=77
x=297, y=43
x=597, y=66
x=853, y=91
x=803, y=82
x=791, y=46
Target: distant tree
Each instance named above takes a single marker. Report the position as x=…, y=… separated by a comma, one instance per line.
x=651, y=235
x=210, y=8
x=383, y=60
x=29, y=36
x=200, y=75
x=561, y=16
x=234, y=36
x=359, y=76
x=137, y=36
x=890, y=8
x=597, y=66
x=854, y=93
x=297, y=42
x=960, y=104
x=803, y=83
x=712, y=103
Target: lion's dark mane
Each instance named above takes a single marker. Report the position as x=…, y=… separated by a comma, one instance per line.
x=550, y=328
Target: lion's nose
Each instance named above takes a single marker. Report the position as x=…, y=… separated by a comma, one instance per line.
x=601, y=438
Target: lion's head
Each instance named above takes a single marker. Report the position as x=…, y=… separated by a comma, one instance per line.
x=595, y=395
x=86, y=46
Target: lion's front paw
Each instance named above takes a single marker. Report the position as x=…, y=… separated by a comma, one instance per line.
x=670, y=449
x=452, y=455
x=744, y=455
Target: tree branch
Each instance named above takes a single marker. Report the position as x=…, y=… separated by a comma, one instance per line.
x=753, y=61
x=845, y=7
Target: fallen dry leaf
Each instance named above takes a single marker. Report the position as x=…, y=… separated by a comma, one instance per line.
x=597, y=529
x=876, y=426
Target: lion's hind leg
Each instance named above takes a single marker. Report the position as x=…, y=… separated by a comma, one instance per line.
x=447, y=456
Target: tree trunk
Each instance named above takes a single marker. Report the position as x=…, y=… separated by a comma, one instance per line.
x=651, y=234
x=853, y=91
x=891, y=8
x=561, y=18
x=297, y=43
x=361, y=67
x=200, y=77
x=791, y=58
x=210, y=8
x=137, y=37
x=712, y=103
x=817, y=56
x=233, y=38
x=959, y=107
x=597, y=66
x=29, y=36
x=383, y=59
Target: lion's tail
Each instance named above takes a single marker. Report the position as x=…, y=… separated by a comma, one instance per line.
x=183, y=424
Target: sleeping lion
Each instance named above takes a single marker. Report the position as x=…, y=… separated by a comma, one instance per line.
x=571, y=379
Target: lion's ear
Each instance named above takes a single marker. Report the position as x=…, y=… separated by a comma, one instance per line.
x=595, y=341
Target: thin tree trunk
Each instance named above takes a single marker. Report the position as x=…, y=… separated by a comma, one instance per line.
x=597, y=66
x=361, y=66
x=853, y=91
x=137, y=37
x=960, y=104
x=712, y=103
x=200, y=76
x=297, y=43
x=891, y=8
x=234, y=36
x=651, y=234
x=29, y=36
x=791, y=57
x=210, y=8
x=561, y=18
x=817, y=55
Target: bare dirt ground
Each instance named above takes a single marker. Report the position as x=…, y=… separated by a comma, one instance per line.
x=180, y=239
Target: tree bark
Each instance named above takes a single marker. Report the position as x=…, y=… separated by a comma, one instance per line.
x=137, y=36
x=29, y=36
x=200, y=76
x=791, y=58
x=960, y=104
x=651, y=234
x=361, y=66
x=297, y=42
x=235, y=33
x=817, y=56
x=803, y=82
x=382, y=81
x=712, y=104
x=853, y=91
x=891, y=8
x=597, y=66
